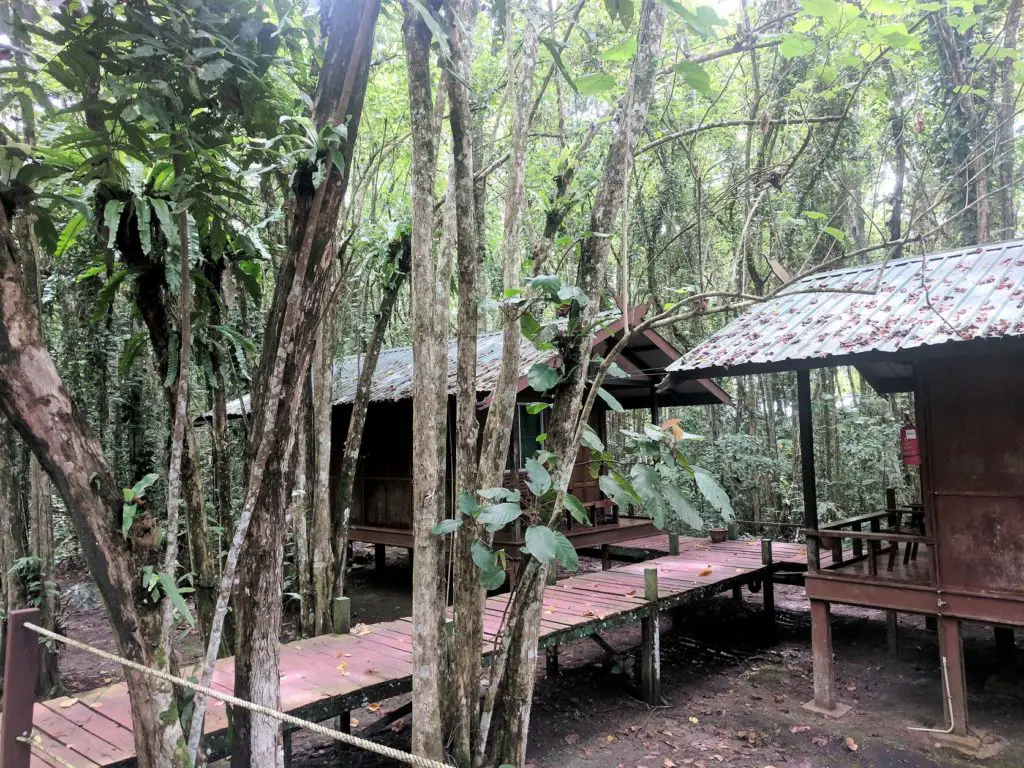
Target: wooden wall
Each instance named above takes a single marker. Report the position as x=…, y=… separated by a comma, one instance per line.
x=974, y=451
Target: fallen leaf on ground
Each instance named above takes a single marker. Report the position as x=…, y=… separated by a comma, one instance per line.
x=361, y=629
x=609, y=738
x=851, y=686
x=704, y=571
x=694, y=720
x=780, y=697
x=68, y=703
x=851, y=744
x=398, y=725
x=820, y=741
x=572, y=738
x=668, y=763
x=374, y=707
x=799, y=728
x=353, y=722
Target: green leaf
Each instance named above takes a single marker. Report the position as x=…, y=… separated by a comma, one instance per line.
x=482, y=555
x=647, y=483
x=467, y=504
x=565, y=552
x=446, y=527
x=541, y=543
x=492, y=578
x=594, y=83
x=546, y=284
x=69, y=235
x=575, y=508
x=695, y=76
x=838, y=234
x=171, y=590
x=609, y=398
x=713, y=492
x=681, y=506
x=139, y=489
x=621, y=52
x=794, y=46
x=815, y=215
x=529, y=326
x=498, y=516
x=127, y=517
x=541, y=377
x=499, y=494
x=534, y=408
x=142, y=212
x=538, y=478
x=589, y=439
x=618, y=489
x=112, y=219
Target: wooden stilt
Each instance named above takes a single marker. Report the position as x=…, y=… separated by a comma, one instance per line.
x=737, y=593
x=606, y=557
x=673, y=543
x=650, y=647
x=892, y=633
x=345, y=722
x=768, y=587
x=951, y=657
x=551, y=575
x=931, y=623
x=1006, y=651
x=552, y=661
x=824, y=701
x=379, y=557
x=341, y=616
x=286, y=739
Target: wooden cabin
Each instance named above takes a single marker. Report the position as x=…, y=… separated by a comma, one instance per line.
x=949, y=328
x=382, y=504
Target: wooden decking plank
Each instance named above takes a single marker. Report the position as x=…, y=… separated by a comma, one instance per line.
x=95, y=722
x=63, y=751
x=74, y=737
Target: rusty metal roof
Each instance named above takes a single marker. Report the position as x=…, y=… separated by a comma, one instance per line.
x=392, y=379
x=888, y=308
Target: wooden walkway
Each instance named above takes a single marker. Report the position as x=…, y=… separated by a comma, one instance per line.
x=331, y=675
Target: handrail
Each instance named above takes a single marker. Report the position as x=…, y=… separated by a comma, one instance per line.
x=868, y=535
x=880, y=515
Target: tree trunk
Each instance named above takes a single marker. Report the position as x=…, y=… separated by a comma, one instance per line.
x=301, y=296
x=299, y=514
x=1005, y=145
x=321, y=445
x=41, y=522
x=33, y=397
x=430, y=356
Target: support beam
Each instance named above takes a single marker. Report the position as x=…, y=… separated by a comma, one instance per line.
x=824, y=702
x=379, y=557
x=951, y=657
x=650, y=647
x=737, y=593
x=892, y=633
x=1006, y=651
x=20, y=665
x=803, y=396
x=606, y=557
x=673, y=543
x=768, y=587
x=286, y=740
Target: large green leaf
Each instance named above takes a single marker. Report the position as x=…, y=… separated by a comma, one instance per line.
x=498, y=516
x=542, y=377
x=621, y=52
x=594, y=83
x=171, y=590
x=681, y=507
x=618, y=489
x=541, y=543
x=69, y=235
x=446, y=527
x=713, y=492
x=695, y=76
x=538, y=478
x=610, y=400
x=565, y=552
x=647, y=484
x=575, y=508
x=589, y=439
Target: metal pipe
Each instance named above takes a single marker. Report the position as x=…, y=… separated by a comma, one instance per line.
x=949, y=705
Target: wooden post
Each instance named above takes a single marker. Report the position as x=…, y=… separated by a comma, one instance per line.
x=673, y=543
x=380, y=557
x=931, y=623
x=737, y=593
x=858, y=544
x=341, y=616
x=890, y=498
x=892, y=633
x=20, y=666
x=768, y=585
x=552, y=661
x=606, y=557
x=803, y=393
x=821, y=652
x=1006, y=651
x=650, y=647
x=951, y=657
x=551, y=573
x=286, y=739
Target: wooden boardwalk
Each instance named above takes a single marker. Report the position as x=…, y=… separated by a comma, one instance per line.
x=331, y=675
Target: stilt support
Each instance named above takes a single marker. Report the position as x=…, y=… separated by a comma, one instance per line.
x=286, y=740
x=20, y=664
x=737, y=593
x=552, y=661
x=379, y=557
x=673, y=543
x=1006, y=651
x=341, y=618
x=606, y=557
x=551, y=574
x=892, y=633
x=768, y=586
x=931, y=623
x=951, y=657
x=824, y=701
x=650, y=648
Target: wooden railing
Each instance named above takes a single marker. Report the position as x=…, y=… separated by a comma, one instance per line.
x=831, y=535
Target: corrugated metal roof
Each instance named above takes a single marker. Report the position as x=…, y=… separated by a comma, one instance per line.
x=972, y=293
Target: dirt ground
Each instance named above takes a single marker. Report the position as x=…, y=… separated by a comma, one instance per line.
x=731, y=697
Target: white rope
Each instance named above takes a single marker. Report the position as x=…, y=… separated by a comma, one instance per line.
x=355, y=741
x=35, y=741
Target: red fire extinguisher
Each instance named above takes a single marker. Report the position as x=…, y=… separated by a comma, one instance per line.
x=910, y=444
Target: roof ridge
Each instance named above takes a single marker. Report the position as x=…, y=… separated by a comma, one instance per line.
x=968, y=250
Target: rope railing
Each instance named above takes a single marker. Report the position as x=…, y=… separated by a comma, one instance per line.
x=29, y=736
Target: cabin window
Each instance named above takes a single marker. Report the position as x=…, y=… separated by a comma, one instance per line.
x=529, y=426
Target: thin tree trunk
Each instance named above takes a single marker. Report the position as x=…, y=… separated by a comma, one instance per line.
x=898, y=125
x=299, y=513
x=430, y=356
x=1005, y=149
x=399, y=255
x=321, y=445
